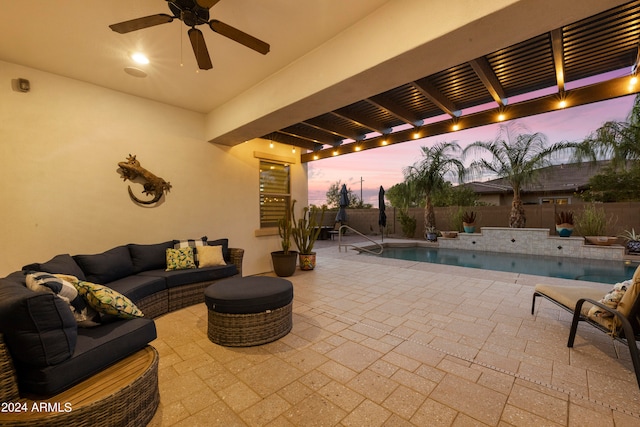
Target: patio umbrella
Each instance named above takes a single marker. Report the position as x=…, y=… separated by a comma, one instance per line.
x=382, y=219
x=344, y=202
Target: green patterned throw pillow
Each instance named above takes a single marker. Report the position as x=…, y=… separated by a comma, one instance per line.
x=106, y=300
x=180, y=259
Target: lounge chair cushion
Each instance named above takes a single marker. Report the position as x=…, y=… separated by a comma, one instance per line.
x=568, y=296
x=624, y=307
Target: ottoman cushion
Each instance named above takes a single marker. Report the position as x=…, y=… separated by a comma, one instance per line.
x=244, y=295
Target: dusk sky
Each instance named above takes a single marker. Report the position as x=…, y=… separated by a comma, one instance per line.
x=384, y=165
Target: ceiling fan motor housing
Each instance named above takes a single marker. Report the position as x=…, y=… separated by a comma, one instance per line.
x=189, y=12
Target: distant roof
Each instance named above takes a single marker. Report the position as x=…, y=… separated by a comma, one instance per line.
x=557, y=178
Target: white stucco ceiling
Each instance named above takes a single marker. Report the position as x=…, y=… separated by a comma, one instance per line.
x=324, y=53
x=72, y=38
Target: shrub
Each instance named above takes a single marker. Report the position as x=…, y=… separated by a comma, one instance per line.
x=592, y=221
x=407, y=223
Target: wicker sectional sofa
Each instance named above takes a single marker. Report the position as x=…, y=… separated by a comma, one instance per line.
x=48, y=350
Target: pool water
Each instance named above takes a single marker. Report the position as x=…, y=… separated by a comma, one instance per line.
x=591, y=270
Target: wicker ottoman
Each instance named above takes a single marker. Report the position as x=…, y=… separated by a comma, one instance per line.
x=247, y=311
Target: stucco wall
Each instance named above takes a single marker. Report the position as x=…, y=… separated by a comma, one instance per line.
x=60, y=190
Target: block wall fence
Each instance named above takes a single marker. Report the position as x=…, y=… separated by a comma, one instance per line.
x=621, y=216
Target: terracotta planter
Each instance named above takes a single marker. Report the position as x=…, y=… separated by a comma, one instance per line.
x=564, y=230
x=601, y=240
x=284, y=265
x=308, y=261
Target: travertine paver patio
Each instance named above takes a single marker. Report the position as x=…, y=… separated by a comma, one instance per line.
x=389, y=342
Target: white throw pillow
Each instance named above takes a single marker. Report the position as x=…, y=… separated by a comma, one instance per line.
x=210, y=256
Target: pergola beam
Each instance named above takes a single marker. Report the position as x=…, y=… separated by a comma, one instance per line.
x=394, y=109
x=434, y=95
x=358, y=120
x=558, y=56
x=483, y=70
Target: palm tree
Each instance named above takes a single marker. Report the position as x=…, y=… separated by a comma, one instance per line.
x=618, y=141
x=516, y=157
x=427, y=175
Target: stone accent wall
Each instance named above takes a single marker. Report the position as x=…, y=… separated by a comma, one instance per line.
x=531, y=241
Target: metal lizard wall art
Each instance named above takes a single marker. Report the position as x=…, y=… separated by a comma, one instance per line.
x=154, y=185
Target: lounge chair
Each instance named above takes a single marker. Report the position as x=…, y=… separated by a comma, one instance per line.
x=621, y=323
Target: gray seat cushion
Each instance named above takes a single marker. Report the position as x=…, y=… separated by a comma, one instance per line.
x=149, y=257
x=59, y=264
x=245, y=295
x=107, y=266
x=96, y=349
x=193, y=275
x=39, y=328
x=137, y=287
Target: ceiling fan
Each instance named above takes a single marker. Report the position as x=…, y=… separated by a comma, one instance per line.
x=194, y=13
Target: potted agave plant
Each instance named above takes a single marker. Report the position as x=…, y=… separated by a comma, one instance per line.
x=469, y=221
x=305, y=232
x=284, y=261
x=632, y=241
x=564, y=223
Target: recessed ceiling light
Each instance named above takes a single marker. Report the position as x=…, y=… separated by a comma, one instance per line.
x=140, y=58
x=135, y=72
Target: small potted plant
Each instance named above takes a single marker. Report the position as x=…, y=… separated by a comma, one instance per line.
x=432, y=234
x=564, y=223
x=305, y=232
x=632, y=241
x=284, y=261
x=469, y=221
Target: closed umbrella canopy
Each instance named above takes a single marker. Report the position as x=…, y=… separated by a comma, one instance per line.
x=382, y=219
x=344, y=202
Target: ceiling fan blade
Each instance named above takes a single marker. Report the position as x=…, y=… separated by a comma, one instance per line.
x=208, y=4
x=239, y=36
x=200, y=49
x=140, y=23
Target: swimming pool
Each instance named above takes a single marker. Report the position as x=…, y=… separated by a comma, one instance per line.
x=591, y=270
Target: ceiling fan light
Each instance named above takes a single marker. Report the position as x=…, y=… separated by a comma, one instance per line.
x=140, y=58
